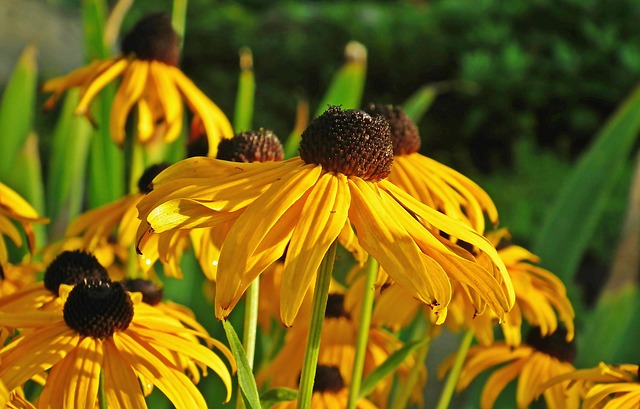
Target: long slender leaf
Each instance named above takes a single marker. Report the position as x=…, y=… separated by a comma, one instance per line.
x=66, y=176
x=106, y=161
x=246, y=381
x=17, y=110
x=419, y=102
x=573, y=218
x=389, y=366
x=277, y=395
x=346, y=89
x=243, y=116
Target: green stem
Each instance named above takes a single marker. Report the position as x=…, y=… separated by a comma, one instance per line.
x=250, y=326
x=178, y=18
x=320, y=297
x=102, y=397
x=363, y=333
x=454, y=374
x=403, y=398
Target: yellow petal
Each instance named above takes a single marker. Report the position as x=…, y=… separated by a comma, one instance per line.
x=84, y=379
x=322, y=219
x=145, y=121
x=121, y=384
x=133, y=85
x=170, y=99
x=99, y=83
x=153, y=366
x=498, y=381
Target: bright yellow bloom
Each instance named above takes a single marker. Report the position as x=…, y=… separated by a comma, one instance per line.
x=605, y=386
x=429, y=181
x=150, y=79
x=14, y=208
x=128, y=341
x=532, y=363
x=302, y=205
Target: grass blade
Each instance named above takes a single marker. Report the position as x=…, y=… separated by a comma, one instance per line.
x=246, y=91
x=246, y=381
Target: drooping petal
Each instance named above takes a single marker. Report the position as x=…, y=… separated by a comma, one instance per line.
x=99, y=83
x=393, y=247
x=133, y=85
x=498, y=381
x=121, y=384
x=170, y=99
x=251, y=228
x=322, y=219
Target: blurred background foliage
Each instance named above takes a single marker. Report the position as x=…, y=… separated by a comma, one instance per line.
x=523, y=86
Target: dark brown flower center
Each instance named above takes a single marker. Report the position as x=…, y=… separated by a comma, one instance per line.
x=73, y=267
x=328, y=379
x=554, y=345
x=404, y=132
x=98, y=308
x=144, y=183
x=350, y=142
x=335, y=307
x=151, y=293
x=153, y=38
x=251, y=146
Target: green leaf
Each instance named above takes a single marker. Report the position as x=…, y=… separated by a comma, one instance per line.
x=419, y=102
x=346, y=89
x=277, y=395
x=611, y=326
x=246, y=381
x=246, y=91
x=67, y=164
x=389, y=366
x=17, y=110
x=106, y=161
x=572, y=220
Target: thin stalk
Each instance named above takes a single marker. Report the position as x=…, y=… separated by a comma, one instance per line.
x=179, y=17
x=102, y=396
x=363, y=333
x=320, y=297
x=402, y=400
x=454, y=374
x=250, y=326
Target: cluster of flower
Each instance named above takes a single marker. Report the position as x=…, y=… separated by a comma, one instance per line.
x=96, y=326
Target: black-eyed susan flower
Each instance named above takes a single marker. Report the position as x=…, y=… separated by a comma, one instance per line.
x=329, y=392
x=103, y=329
x=151, y=80
x=429, y=181
x=14, y=208
x=605, y=386
x=532, y=363
x=302, y=205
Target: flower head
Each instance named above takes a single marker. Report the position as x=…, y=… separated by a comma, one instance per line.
x=302, y=205
x=102, y=329
x=535, y=361
x=429, y=181
x=151, y=80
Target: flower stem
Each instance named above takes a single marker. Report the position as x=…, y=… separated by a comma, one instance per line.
x=454, y=375
x=250, y=326
x=363, y=333
x=102, y=397
x=320, y=297
x=178, y=17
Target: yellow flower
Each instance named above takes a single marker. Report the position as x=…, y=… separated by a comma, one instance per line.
x=429, y=181
x=329, y=392
x=150, y=79
x=102, y=329
x=14, y=208
x=533, y=362
x=304, y=204
x=605, y=386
